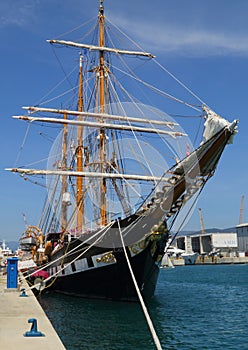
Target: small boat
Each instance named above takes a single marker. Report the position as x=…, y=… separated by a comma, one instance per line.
x=119, y=171
x=166, y=262
x=189, y=258
x=5, y=251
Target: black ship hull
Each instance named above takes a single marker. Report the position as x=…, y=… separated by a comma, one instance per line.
x=94, y=270
x=113, y=282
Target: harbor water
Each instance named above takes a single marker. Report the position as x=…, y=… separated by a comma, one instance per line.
x=195, y=307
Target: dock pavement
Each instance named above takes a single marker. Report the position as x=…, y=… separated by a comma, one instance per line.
x=15, y=311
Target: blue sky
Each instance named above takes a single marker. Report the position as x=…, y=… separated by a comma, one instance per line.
x=204, y=43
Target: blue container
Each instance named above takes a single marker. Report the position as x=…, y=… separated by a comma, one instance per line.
x=12, y=272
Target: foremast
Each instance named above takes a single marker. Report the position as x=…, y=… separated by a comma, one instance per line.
x=79, y=158
x=103, y=187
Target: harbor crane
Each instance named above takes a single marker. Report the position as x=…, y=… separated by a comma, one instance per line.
x=241, y=210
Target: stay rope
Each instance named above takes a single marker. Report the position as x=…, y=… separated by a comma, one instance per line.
x=71, y=262
x=165, y=70
x=72, y=251
x=188, y=212
x=179, y=82
x=144, y=308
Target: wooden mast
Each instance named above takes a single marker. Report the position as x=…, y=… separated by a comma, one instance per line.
x=80, y=203
x=64, y=177
x=103, y=188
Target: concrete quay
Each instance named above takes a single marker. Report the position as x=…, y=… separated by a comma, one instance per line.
x=214, y=260
x=205, y=260
x=15, y=311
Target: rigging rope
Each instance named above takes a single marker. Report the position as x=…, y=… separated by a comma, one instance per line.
x=179, y=82
x=163, y=68
x=72, y=250
x=22, y=145
x=125, y=35
x=76, y=28
x=134, y=134
x=144, y=308
x=187, y=214
x=54, y=88
x=161, y=92
x=71, y=262
x=167, y=143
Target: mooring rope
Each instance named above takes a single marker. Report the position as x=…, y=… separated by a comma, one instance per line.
x=104, y=230
x=144, y=308
x=75, y=249
x=71, y=262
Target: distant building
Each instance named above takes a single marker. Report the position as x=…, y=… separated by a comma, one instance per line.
x=208, y=243
x=242, y=236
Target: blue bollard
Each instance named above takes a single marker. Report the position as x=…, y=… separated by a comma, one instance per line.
x=23, y=293
x=12, y=272
x=33, y=331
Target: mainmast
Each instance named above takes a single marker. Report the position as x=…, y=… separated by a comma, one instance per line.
x=80, y=202
x=103, y=187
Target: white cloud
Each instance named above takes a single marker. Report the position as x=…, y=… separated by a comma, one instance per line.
x=189, y=41
x=198, y=33
x=17, y=12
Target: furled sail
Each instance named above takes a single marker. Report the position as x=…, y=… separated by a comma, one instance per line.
x=214, y=123
x=100, y=48
x=100, y=125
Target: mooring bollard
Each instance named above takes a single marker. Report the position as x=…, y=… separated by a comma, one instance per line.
x=12, y=272
x=33, y=331
x=23, y=293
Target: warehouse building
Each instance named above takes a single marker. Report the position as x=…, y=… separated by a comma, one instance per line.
x=242, y=237
x=210, y=243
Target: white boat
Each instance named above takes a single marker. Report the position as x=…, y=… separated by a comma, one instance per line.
x=167, y=262
x=189, y=258
x=4, y=250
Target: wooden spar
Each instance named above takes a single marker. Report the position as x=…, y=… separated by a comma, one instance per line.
x=102, y=145
x=101, y=116
x=79, y=193
x=173, y=134
x=64, y=178
x=86, y=174
x=215, y=145
x=100, y=48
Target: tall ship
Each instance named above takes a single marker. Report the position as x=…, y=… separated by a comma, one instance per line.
x=120, y=172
